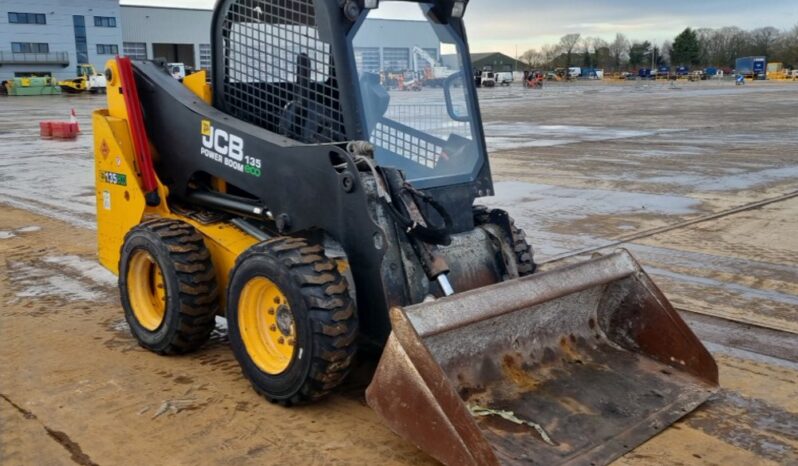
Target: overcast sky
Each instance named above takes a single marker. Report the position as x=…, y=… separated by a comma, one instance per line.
x=503, y=25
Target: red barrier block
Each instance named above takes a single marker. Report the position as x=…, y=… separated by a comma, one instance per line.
x=64, y=129
x=46, y=129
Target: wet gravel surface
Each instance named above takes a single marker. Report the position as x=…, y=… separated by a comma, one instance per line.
x=578, y=165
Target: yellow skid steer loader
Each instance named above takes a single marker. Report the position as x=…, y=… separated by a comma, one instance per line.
x=298, y=196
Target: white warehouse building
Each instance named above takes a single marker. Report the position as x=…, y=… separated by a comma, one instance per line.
x=178, y=35
x=393, y=55
x=52, y=37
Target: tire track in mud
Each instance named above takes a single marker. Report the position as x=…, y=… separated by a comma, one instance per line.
x=72, y=217
x=622, y=239
x=77, y=455
x=749, y=423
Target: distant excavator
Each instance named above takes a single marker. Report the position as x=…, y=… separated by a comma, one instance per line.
x=319, y=211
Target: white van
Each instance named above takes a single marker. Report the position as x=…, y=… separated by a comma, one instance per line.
x=504, y=78
x=177, y=70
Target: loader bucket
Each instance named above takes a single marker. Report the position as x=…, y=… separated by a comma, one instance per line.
x=574, y=366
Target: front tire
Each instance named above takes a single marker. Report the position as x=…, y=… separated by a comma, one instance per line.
x=514, y=236
x=292, y=325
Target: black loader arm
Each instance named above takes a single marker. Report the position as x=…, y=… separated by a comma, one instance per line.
x=307, y=187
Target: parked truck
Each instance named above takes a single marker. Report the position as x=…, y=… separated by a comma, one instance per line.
x=751, y=67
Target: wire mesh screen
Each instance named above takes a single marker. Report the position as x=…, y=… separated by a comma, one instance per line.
x=278, y=74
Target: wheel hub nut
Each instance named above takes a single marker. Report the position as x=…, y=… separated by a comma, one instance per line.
x=284, y=320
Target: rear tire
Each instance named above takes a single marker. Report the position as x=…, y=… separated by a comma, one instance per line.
x=168, y=287
x=292, y=325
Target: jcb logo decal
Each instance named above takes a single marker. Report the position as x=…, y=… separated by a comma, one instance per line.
x=207, y=129
x=222, y=142
x=227, y=149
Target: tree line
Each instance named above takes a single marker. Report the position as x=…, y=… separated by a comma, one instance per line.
x=692, y=48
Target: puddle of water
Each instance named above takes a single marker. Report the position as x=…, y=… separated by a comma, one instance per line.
x=539, y=208
x=553, y=204
x=85, y=268
x=121, y=326
x=732, y=181
x=751, y=294
x=8, y=234
x=65, y=277
x=509, y=135
x=46, y=179
x=38, y=282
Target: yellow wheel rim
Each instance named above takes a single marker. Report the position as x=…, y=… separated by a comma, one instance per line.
x=267, y=325
x=146, y=290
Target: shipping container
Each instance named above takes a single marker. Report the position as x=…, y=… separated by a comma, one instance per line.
x=751, y=67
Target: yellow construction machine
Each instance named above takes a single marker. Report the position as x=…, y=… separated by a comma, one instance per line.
x=319, y=212
x=88, y=80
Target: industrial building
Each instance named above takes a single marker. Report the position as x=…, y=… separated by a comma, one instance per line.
x=393, y=36
x=178, y=35
x=52, y=37
x=495, y=61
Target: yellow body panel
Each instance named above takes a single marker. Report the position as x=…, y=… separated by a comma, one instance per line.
x=120, y=197
x=196, y=83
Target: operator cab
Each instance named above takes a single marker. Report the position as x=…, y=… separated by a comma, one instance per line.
x=432, y=134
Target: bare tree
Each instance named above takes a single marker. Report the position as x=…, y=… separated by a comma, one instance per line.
x=717, y=47
x=533, y=58
x=585, y=47
x=618, y=50
x=550, y=53
x=666, y=51
x=601, y=53
x=788, y=47
x=764, y=40
x=721, y=47
x=568, y=43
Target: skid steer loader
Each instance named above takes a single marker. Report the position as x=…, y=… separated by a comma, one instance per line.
x=296, y=196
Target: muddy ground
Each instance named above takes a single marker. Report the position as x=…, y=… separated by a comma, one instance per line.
x=698, y=180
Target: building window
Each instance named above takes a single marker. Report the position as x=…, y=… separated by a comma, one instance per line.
x=81, y=45
x=368, y=59
x=30, y=47
x=28, y=74
x=27, y=18
x=396, y=59
x=135, y=50
x=107, y=49
x=104, y=21
x=205, y=56
x=432, y=53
